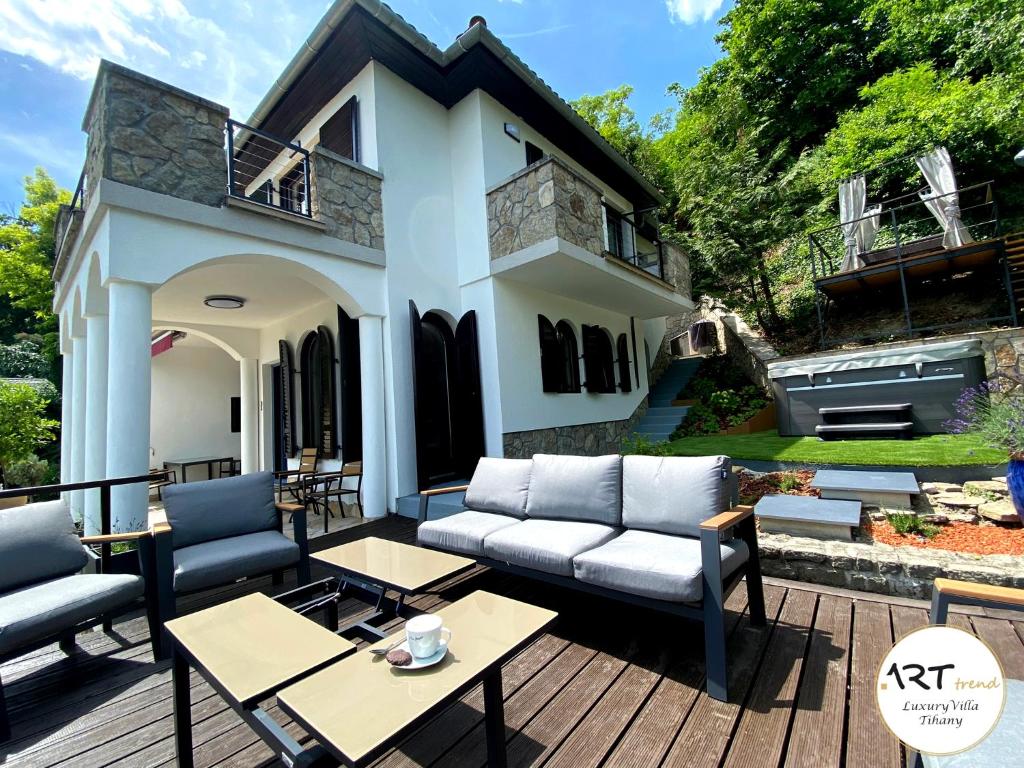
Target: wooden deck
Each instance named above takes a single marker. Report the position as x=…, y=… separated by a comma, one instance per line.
x=609, y=685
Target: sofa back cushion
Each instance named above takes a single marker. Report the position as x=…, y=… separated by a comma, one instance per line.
x=219, y=509
x=674, y=494
x=586, y=488
x=37, y=543
x=499, y=486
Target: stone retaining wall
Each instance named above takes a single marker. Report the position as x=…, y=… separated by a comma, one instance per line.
x=153, y=136
x=543, y=201
x=879, y=568
x=347, y=199
x=598, y=439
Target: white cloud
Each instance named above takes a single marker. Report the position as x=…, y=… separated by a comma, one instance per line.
x=692, y=11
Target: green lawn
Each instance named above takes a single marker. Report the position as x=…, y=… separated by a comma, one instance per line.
x=925, y=451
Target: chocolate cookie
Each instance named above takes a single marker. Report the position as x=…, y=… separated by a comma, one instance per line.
x=399, y=658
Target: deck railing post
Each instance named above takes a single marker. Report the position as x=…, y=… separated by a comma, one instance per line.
x=229, y=126
x=903, y=277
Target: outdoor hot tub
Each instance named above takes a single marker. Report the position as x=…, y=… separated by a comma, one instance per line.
x=860, y=387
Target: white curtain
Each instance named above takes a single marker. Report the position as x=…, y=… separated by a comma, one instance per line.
x=858, y=233
x=941, y=197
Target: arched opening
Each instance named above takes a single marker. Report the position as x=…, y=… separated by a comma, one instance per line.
x=622, y=359
x=598, y=360
x=570, y=356
x=559, y=356
x=317, y=366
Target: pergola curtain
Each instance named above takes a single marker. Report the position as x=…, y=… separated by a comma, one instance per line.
x=858, y=232
x=941, y=198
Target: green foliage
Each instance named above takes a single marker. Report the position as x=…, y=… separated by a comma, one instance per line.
x=27, y=473
x=641, y=446
x=788, y=482
x=23, y=359
x=908, y=524
x=727, y=398
x=23, y=422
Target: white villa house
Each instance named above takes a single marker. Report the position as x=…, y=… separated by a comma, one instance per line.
x=407, y=256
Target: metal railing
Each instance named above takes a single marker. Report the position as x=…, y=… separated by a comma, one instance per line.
x=652, y=262
x=266, y=169
x=906, y=229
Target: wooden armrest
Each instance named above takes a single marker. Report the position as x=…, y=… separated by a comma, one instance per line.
x=158, y=522
x=287, y=472
x=440, y=491
x=986, y=592
x=290, y=508
x=114, y=537
x=727, y=519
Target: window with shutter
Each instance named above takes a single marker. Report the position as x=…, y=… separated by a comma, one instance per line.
x=533, y=153
x=598, y=360
x=622, y=352
x=340, y=133
x=570, y=357
x=550, y=356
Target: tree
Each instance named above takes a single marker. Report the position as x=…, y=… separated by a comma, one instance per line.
x=24, y=426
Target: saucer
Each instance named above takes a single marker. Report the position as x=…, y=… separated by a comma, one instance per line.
x=429, y=661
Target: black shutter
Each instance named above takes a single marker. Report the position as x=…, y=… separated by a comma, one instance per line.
x=416, y=328
x=468, y=413
x=351, y=388
x=598, y=362
x=569, y=357
x=287, y=373
x=327, y=382
x=622, y=351
x=550, y=356
x=340, y=133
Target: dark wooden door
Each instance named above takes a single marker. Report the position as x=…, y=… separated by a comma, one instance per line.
x=468, y=413
x=433, y=345
x=351, y=388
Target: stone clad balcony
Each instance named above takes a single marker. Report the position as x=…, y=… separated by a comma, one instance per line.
x=547, y=228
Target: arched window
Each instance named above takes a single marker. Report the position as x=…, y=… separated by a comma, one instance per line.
x=550, y=356
x=570, y=357
x=622, y=352
x=598, y=360
x=319, y=413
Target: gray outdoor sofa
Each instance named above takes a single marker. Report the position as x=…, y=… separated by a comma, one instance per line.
x=654, y=531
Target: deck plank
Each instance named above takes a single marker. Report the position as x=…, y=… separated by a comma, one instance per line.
x=869, y=744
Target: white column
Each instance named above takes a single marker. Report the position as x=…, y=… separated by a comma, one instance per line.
x=249, y=370
x=128, y=395
x=371, y=364
x=78, y=405
x=96, y=335
x=66, y=396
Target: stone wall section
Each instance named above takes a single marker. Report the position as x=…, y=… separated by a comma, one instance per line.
x=543, y=201
x=347, y=199
x=677, y=269
x=597, y=439
x=150, y=135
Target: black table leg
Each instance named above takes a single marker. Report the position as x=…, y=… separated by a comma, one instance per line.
x=494, y=720
x=182, y=709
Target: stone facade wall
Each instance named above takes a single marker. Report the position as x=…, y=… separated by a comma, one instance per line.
x=879, y=568
x=154, y=136
x=543, y=201
x=347, y=198
x=677, y=269
x=598, y=439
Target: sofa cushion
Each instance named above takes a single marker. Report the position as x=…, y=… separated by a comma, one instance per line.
x=500, y=486
x=673, y=494
x=37, y=543
x=584, y=488
x=464, y=532
x=546, y=545
x=224, y=561
x=654, y=565
x=41, y=610
x=217, y=509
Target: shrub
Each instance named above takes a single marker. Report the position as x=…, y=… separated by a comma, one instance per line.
x=788, y=482
x=994, y=411
x=23, y=359
x=908, y=523
x=641, y=446
x=27, y=473
x=23, y=423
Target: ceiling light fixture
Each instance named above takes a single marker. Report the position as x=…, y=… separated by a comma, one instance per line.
x=224, y=302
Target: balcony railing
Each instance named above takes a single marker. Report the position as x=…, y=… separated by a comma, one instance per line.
x=623, y=242
x=265, y=169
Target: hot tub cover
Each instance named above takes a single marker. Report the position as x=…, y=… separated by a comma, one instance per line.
x=877, y=358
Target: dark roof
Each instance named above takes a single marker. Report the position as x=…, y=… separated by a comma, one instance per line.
x=354, y=32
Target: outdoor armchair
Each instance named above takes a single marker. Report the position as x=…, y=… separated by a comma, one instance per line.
x=45, y=596
x=217, y=532
x=291, y=480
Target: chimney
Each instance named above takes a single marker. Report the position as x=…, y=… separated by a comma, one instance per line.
x=476, y=20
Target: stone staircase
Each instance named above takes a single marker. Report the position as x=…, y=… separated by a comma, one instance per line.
x=662, y=417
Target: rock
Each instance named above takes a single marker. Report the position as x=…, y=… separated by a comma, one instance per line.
x=935, y=518
x=936, y=488
x=1000, y=511
x=877, y=517
x=986, y=487
x=958, y=500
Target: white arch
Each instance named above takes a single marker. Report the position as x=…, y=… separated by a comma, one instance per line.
x=95, y=293
x=239, y=343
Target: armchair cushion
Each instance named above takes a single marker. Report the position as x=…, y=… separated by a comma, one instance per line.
x=223, y=561
x=546, y=545
x=500, y=486
x=673, y=494
x=37, y=543
x=654, y=565
x=464, y=532
x=583, y=488
x=41, y=610
x=218, y=509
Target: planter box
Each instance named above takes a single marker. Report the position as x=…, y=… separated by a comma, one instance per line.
x=762, y=420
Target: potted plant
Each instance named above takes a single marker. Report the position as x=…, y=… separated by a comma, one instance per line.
x=23, y=428
x=995, y=412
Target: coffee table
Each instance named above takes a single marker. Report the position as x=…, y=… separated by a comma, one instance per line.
x=360, y=707
x=247, y=649
x=378, y=565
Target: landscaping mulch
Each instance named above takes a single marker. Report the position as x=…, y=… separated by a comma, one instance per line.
x=957, y=537
x=753, y=487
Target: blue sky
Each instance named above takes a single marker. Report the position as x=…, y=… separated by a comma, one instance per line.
x=231, y=51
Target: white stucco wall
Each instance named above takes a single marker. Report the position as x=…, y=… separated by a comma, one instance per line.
x=190, y=413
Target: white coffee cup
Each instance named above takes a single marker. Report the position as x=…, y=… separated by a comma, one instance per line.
x=424, y=635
